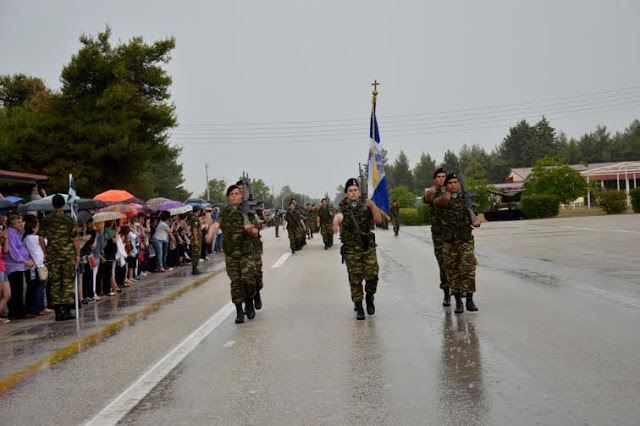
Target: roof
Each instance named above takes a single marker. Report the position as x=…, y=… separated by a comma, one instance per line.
x=7, y=176
x=593, y=169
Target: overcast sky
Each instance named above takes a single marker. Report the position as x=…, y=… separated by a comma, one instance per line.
x=451, y=72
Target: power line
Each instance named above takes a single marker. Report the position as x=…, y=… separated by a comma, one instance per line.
x=422, y=128
x=454, y=113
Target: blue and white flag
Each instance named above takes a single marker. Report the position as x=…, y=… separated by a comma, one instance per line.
x=377, y=180
x=73, y=198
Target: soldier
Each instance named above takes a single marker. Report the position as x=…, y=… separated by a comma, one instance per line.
x=457, y=243
x=196, y=235
x=63, y=254
x=356, y=220
x=238, y=252
x=258, y=221
x=277, y=221
x=295, y=227
x=395, y=217
x=429, y=198
x=324, y=221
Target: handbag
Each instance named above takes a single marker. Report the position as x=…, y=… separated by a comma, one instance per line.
x=92, y=261
x=43, y=273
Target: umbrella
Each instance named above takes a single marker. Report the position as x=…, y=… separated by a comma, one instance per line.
x=106, y=216
x=168, y=205
x=129, y=210
x=6, y=204
x=199, y=201
x=155, y=201
x=114, y=195
x=42, y=205
x=180, y=210
x=12, y=198
x=84, y=216
x=89, y=204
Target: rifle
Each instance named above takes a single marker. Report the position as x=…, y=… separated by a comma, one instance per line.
x=249, y=203
x=364, y=185
x=467, y=197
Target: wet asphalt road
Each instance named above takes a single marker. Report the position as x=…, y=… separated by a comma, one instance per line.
x=555, y=341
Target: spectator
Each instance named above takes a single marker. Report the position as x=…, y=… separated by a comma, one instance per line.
x=37, y=277
x=5, y=288
x=98, y=247
x=88, y=243
x=17, y=262
x=160, y=241
x=110, y=287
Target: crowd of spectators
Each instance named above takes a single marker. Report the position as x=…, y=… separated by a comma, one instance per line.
x=113, y=255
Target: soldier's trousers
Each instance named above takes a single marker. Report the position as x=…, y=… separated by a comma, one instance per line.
x=62, y=279
x=437, y=248
x=277, y=228
x=460, y=265
x=362, y=265
x=327, y=232
x=396, y=225
x=195, y=255
x=293, y=237
x=241, y=274
x=257, y=265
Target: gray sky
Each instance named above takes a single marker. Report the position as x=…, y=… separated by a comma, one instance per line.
x=304, y=69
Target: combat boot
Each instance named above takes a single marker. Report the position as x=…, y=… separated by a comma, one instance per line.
x=239, y=314
x=248, y=306
x=360, y=309
x=257, y=301
x=459, y=305
x=371, y=308
x=58, y=310
x=470, y=305
x=326, y=246
x=66, y=313
x=447, y=297
x=196, y=271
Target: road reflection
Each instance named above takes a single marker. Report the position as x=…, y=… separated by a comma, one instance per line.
x=461, y=390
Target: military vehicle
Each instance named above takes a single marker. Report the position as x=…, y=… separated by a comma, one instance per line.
x=504, y=204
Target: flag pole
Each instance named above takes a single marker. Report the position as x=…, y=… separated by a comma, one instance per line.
x=72, y=199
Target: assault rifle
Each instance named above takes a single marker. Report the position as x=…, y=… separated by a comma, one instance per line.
x=249, y=203
x=467, y=197
x=364, y=185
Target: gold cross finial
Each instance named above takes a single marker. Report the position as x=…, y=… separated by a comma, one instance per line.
x=375, y=85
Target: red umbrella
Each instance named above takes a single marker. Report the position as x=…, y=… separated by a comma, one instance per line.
x=114, y=195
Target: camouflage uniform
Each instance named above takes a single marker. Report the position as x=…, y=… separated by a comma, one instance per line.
x=257, y=250
x=238, y=251
x=326, y=224
x=457, y=246
x=437, y=239
x=395, y=218
x=60, y=230
x=294, y=229
x=359, y=247
x=196, y=247
x=277, y=221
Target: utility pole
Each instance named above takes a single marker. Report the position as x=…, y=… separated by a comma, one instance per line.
x=206, y=174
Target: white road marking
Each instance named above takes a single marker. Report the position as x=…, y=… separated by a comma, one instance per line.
x=229, y=343
x=600, y=229
x=281, y=261
x=120, y=406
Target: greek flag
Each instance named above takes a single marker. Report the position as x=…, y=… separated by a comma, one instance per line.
x=73, y=198
x=377, y=181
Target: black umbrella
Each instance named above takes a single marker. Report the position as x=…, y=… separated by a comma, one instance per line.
x=194, y=201
x=89, y=204
x=84, y=216
x=7, y=205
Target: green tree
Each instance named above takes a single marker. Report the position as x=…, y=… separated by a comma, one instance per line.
x=108, y=124
x=217, y=190
x=423, y=173
x=515, y=145
x=550, y=176
x=339, y=196
x=497, y=168
x=405, y=197
x=450, y=162
x=401, y=173
x=474, y=161
x=262, y=192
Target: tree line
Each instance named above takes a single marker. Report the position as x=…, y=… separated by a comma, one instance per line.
x=107, y=125
x=523, y=146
